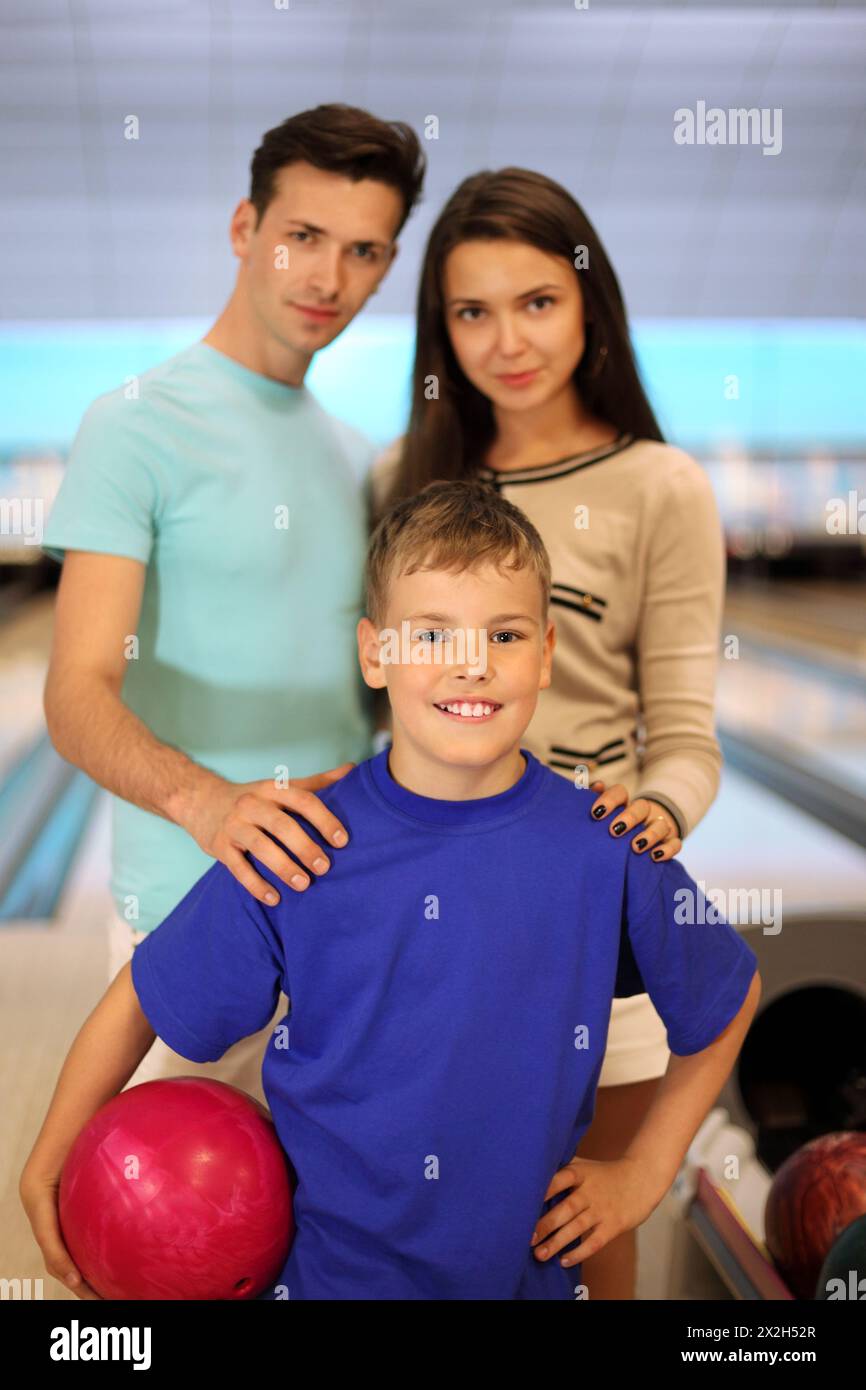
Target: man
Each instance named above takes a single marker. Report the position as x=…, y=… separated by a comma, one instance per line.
x=205, y=519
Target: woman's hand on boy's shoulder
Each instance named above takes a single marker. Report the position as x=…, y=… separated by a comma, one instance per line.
x=659, y=833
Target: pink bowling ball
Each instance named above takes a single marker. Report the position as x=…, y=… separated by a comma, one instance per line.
x=178, y=1189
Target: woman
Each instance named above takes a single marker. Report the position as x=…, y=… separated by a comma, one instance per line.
x=524, y=375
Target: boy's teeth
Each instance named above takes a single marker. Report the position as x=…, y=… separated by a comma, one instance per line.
x=470, y=711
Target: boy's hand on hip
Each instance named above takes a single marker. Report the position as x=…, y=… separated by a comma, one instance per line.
x=607, y=1197
x=230, y=819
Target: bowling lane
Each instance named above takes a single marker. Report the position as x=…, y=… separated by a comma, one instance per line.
x=25, y=643
x=791, y=692
x=752, y=838
x=825, y=621
x=44, y=802
x=797, y=709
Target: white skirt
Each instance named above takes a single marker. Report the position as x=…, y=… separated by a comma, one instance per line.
x=637, y=1043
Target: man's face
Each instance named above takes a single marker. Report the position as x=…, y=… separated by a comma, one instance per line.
x=491, y=708
x=319, y=252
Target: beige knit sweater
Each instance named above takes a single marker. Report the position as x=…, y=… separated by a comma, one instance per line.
x=638, y=565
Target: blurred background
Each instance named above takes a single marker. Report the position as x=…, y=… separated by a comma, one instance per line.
x=743, y=272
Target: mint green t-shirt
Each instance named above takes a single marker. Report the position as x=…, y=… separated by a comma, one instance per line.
x=244, y=498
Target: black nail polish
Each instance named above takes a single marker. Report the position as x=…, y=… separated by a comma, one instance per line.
x=641, y=843
x=599, y=811
x=657, y=854
x=619, y=827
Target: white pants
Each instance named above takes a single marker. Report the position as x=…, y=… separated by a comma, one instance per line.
x=240, y=1066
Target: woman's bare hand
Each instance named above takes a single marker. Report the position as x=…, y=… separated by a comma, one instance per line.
x=660, y=834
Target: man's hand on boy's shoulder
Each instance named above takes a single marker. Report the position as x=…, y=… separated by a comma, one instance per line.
x=229, y=819
x=659, y=833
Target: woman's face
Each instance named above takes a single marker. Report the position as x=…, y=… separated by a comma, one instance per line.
x=514, y=315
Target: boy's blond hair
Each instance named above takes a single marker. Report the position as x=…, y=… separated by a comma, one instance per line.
x=456, y=525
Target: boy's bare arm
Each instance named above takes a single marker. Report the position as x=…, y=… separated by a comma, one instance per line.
x=102, y=1058
x=603, y=1198
x=686, y=1094
x=105, y=1053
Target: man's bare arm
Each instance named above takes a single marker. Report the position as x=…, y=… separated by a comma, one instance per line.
x=98, y=606
x=97, y=611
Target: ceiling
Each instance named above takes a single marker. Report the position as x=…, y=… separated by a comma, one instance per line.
x=97, y=226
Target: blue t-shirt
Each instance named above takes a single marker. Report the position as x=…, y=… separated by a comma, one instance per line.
x=450, y=983
x=245, y=500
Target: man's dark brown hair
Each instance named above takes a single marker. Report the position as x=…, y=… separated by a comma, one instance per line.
x=342, y=140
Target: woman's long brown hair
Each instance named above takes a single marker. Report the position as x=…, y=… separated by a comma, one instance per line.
x=448, y=436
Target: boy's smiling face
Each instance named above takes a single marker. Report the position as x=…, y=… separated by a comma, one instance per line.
x=491, y=613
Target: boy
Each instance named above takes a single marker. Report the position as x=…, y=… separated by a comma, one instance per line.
x=451, y=980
